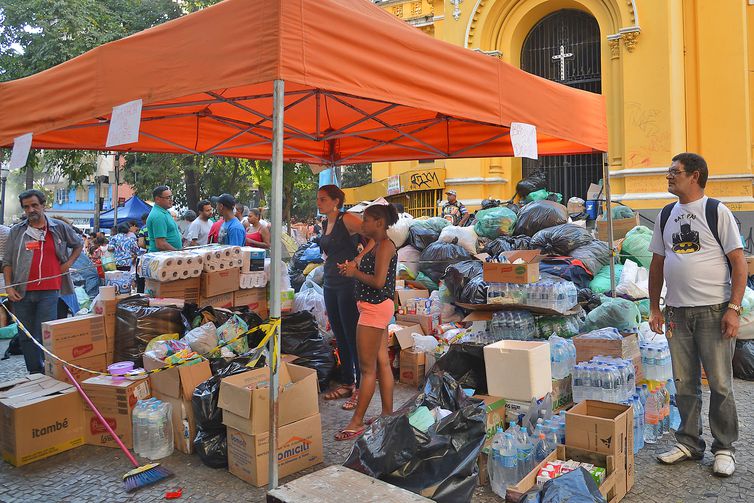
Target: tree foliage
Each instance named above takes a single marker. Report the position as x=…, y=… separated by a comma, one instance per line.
x=356, y=175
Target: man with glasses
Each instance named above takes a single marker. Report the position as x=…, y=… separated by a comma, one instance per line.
x=162, y=229
x=697, y=252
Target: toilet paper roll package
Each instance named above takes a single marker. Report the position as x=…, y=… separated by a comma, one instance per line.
x=253, y=280
x=121, y=280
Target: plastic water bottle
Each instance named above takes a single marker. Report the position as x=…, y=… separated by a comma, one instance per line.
x=652, y=418
x=551, y=434
x=562, y=427
x=541, y=449
x=135, y=417
x=666, y=409
x=509, y=461
x=160, y=431
x=525, y=451
x=638, y=423
x=495, y=463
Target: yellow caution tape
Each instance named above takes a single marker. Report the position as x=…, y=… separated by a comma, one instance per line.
x=270, y=329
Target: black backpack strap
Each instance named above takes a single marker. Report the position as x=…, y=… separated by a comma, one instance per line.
x=665, y=216
x=710, y=214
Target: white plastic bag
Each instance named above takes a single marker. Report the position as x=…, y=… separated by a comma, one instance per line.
x=634, y=281
x=317, y=275
x=466, y=236
x=202, y=339
x=424, y=343
x=399, y=231
x=409, y=256
x=311, y=299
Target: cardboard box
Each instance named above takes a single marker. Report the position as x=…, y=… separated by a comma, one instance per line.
x=562, y=393
x=621, y=226
x=412, y=367
x=245, y=401
x=299, y=447
x=39, y=417
x=606, y=428
x=608, y=487
x=528, y=272
x=594, y=192
x=116, y=397
x=177, y=382
x=108, y=308
x=253, y=298
x=627, y=348
x=186, y=289
x=224, y=300
x=77, y=337
x=518, y=370
x=219, y=282
x=402, y=296
x=54, y=369
x=403, y=337
x=96, y=434
x=495, y=407
x=184, y=426
x=428, y=322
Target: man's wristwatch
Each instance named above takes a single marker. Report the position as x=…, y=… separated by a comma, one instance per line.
x=735, y=307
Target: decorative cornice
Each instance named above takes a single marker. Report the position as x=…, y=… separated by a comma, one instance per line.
x=613, y=41
x=474, y=180
x=630, y=37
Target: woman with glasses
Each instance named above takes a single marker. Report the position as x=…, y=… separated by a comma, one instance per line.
x=161, y=227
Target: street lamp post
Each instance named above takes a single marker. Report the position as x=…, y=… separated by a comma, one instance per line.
x=3, y=179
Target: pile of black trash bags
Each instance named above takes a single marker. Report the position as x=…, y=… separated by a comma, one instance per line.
x=307, y=253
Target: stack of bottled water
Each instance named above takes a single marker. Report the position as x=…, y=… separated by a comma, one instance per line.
x=516, y=325
x=638, y=423
x=604, y=378
x=502, y=464
x=562, y=356
x=656, y=362
x=556, y=295
x=658, y=413
x=564, y=326
x=152, y=429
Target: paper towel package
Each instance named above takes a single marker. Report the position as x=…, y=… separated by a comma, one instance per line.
x=221, y=257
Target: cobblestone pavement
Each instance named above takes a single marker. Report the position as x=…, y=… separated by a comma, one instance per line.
x=93, y=474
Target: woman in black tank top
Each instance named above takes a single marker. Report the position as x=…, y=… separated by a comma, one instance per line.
x=375, y=289
x=339, y=242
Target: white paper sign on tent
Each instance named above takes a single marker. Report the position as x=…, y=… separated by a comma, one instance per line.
x=124, y=124
x=21, y=149
x=524, y=140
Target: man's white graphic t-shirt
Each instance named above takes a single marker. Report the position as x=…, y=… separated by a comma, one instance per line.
x=696, y=271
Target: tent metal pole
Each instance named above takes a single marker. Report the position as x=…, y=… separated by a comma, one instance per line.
x=610, y=242
x=276, y=204
x=116, y=162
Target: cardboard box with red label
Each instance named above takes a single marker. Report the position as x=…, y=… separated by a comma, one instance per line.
x=77, y=337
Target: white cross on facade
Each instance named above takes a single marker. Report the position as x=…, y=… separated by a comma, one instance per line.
x=456, y=9
x=562, y=57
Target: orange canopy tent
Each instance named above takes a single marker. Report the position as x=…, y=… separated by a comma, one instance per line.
x=318, y=81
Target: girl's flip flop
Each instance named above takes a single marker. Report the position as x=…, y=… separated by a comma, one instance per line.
x=349, y=434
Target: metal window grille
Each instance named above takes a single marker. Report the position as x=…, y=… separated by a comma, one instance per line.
x=421, y=203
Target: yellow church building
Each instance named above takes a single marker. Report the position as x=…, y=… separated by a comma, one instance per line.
x=675, y=75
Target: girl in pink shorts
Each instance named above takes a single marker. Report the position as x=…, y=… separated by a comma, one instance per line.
x=375, y=289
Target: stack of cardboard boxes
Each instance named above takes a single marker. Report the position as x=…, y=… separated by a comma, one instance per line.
x=245, y=404
x=115, y=399
x=80, y=340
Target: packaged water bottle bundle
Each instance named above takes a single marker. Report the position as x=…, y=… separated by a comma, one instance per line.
x=604, y=378
x=558, y=296
x=655, y=359
x=562, y=357
x=153, y=429
x=516, y=325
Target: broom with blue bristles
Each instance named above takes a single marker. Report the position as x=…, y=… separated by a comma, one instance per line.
x=140, y=476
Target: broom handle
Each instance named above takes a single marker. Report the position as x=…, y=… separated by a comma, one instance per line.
x=101, y=419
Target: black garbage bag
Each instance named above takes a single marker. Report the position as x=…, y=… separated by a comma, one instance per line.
x=137, y=323
x=306, y=254
x=588, y=299
x=212, y=447
x=301, y=337
x=567, y=268
x=507, y=243
x=458, y=275
x=743, y=360
x=14, y=347
x=539, y=215
x=750, y=282
x=210, y=441
x=475, y=291
x=297, y=279
x=561, y=240
x=438, y=256
x=420, y=237
x=573, y=487
x=465, y=362
x=439, y=464
x=535, y=181
x=594, y=255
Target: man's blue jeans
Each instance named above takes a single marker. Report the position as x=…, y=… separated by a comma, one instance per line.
x=697, y=335
x=34, y=309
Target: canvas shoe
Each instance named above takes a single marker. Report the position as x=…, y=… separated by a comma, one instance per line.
x=676, y=454
x=725, y=464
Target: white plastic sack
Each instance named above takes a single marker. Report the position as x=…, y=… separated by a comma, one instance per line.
x=424, y=343
x=466, y=236
x=317, y=275
x=409, y=256
x=285, y=279
x=202, y=339
x=398, y=232
x=647, y=335
x=746, y=327
x=634, y=281
x=310, y=299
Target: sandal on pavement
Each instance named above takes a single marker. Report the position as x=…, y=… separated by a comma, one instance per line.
x=676, y=454
x=350, y=404
x=342, y=391
x=349, y=434
x=725, y=464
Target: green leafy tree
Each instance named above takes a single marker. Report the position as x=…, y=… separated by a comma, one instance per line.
x=356, y=175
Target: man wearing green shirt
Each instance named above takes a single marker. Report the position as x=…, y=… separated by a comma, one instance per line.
x=162, y=229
